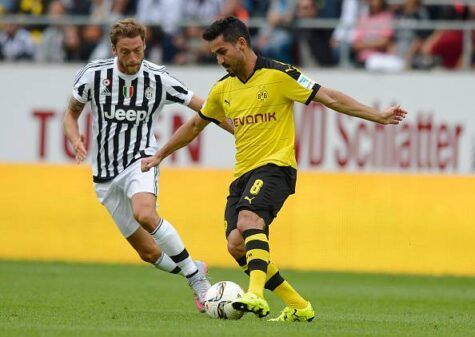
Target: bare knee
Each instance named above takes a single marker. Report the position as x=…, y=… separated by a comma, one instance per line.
x=146, y=218
x=236, y=250
x=249, y=220
x=236, y=244
x=143, y=206
x=149, y=254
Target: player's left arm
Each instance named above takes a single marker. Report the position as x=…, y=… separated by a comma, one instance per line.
x=196, y=103
x=340, y=102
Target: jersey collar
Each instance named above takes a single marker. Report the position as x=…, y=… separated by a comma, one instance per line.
x=126, y=76
x=260, y=62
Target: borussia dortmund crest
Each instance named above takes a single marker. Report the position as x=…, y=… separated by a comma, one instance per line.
x=262, y=93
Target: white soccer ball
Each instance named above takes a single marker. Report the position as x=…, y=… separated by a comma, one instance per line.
x=218, y=300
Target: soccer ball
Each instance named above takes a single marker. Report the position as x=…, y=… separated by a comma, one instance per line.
x=218, y=300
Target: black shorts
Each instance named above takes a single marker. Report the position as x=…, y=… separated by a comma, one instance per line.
x=262, y=191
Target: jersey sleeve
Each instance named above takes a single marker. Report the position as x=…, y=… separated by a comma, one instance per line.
x=212, y=109
x=82, y=85
x=175, y=91
x=299, y=87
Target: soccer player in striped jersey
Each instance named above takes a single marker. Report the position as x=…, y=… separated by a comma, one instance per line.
x=258, y=95
x=126, y=94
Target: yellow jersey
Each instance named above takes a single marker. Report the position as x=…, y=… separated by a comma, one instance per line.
x=261, y=110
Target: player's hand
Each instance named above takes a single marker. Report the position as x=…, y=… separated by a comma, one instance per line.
x=149, y=162
x=393, y=115
x=79, y=148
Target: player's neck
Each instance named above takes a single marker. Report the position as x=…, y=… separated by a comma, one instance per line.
x=248, y=69
x=123, y=70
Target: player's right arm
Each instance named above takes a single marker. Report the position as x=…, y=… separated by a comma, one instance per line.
x=71, y=128
x=196, y=103
x=80, y=96
x=182, y=137
x=211, y=111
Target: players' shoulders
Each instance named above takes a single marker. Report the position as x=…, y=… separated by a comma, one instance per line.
x=93, y=66
x=278, y=68
x=99, y=64
x=155, y=68
x=220, y=85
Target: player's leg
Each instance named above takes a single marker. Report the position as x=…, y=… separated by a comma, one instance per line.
x=274, y=281
x=162, y=232
x=119, y=207
x=264, y=195
x=253, y=217
x=256, y=245
x=236, y=189
x=149, y=252
x=142, y=189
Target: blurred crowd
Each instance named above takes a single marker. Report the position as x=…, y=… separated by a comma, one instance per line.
x=370, y=33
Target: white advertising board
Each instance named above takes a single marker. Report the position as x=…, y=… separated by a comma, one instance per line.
x=437, y=137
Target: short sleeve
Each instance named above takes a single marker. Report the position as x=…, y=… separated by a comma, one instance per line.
x=175, y=90
x=299, y=87
x=82, y=85
x=212, y=109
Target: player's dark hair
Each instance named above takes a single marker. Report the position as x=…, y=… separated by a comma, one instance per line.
x=231, y=28
x=126, y=28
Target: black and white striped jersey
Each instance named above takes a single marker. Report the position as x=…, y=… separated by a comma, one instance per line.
x=124, y=108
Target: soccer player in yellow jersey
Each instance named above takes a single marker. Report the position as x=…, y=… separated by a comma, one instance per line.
x=257, y=96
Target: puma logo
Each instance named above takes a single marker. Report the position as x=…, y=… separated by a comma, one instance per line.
x=249, y=199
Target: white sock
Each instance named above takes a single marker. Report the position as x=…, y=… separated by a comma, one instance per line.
x=167, y=238
x=165, y=263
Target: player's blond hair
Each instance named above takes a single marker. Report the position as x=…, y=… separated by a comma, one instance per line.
x=126, y=28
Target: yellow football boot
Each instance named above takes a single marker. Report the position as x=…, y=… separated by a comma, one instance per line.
x=250, y=302
x=295, y=315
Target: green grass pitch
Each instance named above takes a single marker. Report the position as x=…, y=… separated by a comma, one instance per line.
x=63, y=299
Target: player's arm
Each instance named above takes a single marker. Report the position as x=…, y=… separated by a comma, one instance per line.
x=182, y=137
x=196, y=103
x=340, y=102
x=71, y=128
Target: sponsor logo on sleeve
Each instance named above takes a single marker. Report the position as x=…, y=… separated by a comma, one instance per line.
x=305, y=82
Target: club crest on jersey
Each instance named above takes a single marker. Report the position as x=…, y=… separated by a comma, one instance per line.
x=149, y=93
x=128, y=91
x=262, y=93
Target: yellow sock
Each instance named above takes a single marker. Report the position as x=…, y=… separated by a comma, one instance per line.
x=257, y=279
x=257, y=258
x=290, y=296
x=283, y=289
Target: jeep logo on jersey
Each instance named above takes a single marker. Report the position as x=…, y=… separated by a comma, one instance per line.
x=125, y=114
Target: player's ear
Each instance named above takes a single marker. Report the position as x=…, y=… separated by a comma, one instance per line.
x=114, y=50
x=240, y=44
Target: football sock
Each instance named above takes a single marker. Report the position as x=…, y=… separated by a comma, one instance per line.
x=243, y=264
x=167, y=238
x=276, y=283
x=165, y=263
x=283, y=289
x=257, y=258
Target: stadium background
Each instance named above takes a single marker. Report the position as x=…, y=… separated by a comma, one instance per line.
x=396, y=200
